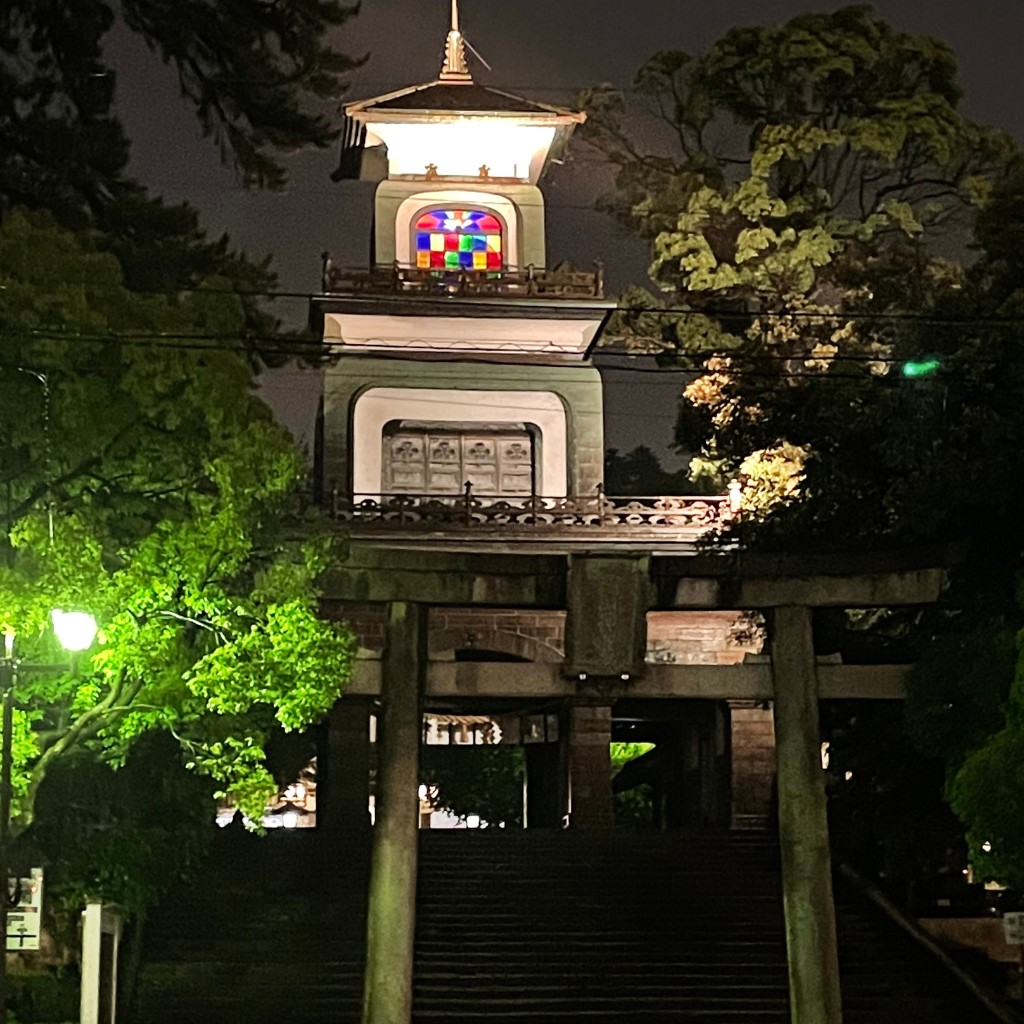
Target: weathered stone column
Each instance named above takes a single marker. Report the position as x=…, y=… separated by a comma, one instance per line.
x=590, y=765
x=391, y=917
x=545, y=788
x=803, y=828
x=343, y=790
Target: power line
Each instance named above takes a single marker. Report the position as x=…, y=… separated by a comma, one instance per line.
x=747, y=316
x=283, y=344
x=188, y=343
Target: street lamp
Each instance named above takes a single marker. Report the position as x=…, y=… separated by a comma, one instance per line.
x=75, y=631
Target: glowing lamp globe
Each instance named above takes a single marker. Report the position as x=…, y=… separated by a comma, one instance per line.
x=75, y=630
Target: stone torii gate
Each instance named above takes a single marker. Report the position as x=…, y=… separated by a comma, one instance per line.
x=607, y=597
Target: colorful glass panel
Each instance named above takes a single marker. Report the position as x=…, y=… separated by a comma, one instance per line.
x=459, y=239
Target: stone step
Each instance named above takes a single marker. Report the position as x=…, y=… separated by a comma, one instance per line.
x=524, y=927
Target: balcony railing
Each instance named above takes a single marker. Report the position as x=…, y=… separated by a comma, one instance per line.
x=526, y=283
x=593, y=516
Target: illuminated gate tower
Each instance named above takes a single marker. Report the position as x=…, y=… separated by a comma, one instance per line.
x=464, y=359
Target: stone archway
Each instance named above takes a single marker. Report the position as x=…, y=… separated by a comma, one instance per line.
x=459, y=644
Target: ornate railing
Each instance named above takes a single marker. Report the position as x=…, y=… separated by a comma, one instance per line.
x=667, y=517
x=528, y=282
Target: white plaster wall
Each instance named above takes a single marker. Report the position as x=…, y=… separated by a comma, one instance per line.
x=378, y=406
x=412, y=206
x=464, y=334
x=458, y=144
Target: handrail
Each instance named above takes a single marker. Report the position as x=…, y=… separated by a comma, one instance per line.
x=875, y=895
x=404, y=279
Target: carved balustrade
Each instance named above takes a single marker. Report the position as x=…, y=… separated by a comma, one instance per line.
x=528, y=282
x=667, y=517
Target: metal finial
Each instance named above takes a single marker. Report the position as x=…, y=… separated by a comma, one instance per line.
x=455, y=68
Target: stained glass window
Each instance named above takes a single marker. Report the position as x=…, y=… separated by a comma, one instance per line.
x=458, y=240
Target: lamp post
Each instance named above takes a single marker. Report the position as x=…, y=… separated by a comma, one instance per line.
x=75, y=631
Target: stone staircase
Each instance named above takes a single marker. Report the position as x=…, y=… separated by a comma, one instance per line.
x=271, y=931
x=520, y=926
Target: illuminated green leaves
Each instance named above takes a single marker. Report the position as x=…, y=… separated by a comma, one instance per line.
x=158, y=494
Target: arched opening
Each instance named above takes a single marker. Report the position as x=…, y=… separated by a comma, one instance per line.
x=534, y=463
x=476, y=654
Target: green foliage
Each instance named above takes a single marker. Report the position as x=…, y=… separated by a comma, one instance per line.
x=988, y=795
x=796, y=184
x=254, y=73
x=965, y=695
x=484, y=779
x=792, y=182
x=622, y=753
x=770, y=478
x=966, y=701
x=44, y=997
x=146, y=483
x=638, y=472
x=958, y=690
x=631, y=807
x=124, y=836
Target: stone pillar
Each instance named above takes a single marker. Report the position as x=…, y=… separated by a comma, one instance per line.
x=605, y=639
x=343, y=786
x=545, y=785
x=753, y=764
x=590, y=765
x=391, y=916
x=803, y=828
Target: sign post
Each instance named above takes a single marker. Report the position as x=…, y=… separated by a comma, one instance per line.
x=101, y=937
x=24, y=917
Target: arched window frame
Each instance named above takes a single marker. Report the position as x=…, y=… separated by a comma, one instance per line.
x=469, y=206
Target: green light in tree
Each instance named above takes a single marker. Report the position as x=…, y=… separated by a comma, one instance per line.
x=921, y=367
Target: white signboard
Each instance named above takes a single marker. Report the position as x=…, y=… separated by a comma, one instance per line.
x=24, y=921
x=1013, y=928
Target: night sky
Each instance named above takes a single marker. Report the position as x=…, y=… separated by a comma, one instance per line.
x=540, y=48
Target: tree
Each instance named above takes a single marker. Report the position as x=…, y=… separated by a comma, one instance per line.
x=865, y=390
x=793, y=182
x=255, y=73
x=142, y=479
x=967, y=693
x=120, y=835
x=485, y=780
x=639, y=472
